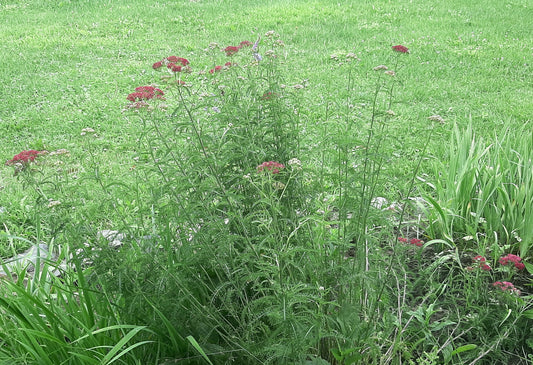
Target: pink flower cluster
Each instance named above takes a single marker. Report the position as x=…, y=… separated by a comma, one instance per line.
x=271, y=166
x=25, y=157
x=173, y=63
x=400, y=48
x=146, y=93
x=514, y=259
x=506, y=286
x=414, y=241
x=481, y=262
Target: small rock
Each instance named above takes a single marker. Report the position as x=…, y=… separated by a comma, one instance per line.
x=27, y=260
x=115, y=238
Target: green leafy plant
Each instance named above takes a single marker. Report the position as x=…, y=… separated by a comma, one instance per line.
x=222, y=263
x=51, y=320
x=483, y=195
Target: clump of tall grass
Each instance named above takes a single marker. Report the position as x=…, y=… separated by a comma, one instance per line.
x=47, y=319
x=483, y=194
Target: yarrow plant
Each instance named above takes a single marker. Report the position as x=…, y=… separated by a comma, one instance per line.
x=231, y=50
x=413, y=241
x=271, y=166
x=506, y=286
x=146, y=93
x=514, y=259
x=400, y=48
x=25, y=157
x=219, y=68
x=245, y=228
x=171, y=63
x=143, y=94
x=481, y=262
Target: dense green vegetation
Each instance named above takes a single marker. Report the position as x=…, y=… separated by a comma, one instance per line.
x=323, y=198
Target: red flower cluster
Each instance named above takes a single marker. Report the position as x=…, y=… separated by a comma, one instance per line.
x=414, y=241
x=400, y=48
x=174, y=67
x=479, y=258
x=25, y=157
x=171, y=63
x=231, y=50
x=514, y=259
x=482, y=262
x=506, y=286
x=146, y=93
x=272, y=166
x=175, y=59
x=216, y=69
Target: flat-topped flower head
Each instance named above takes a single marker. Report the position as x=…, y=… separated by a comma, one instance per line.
x=506, y=286
x=139, y=96
x=272, y=166
x=174, y=60
x=149, y=89
x=400, y=48
x=514, y=259
x=417, y=242
x=25, y=157
x=183, y=61
x=231, y=50
x=480, y=262
x=145, y=93
x=216, y=69
x=479, y=258
x=269, y=95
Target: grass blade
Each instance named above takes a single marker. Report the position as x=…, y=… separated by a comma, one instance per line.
x=198, y=348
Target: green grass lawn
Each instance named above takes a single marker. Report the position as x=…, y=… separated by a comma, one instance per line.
x=67, y=65
x=300, y=256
